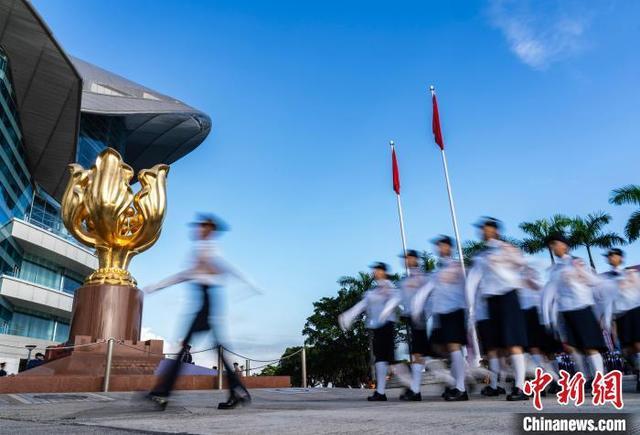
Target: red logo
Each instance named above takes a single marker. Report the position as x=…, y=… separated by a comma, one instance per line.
x=536, y=386
x=572, y=388
x=608, y=388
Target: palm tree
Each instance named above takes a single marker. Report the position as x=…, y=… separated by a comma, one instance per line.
x=629, y=194
x=470, y=249
x=589, y=232
x=538, y=233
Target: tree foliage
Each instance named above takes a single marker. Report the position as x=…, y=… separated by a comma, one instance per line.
x=538, y=233
x=629, y=194
x=590, y=233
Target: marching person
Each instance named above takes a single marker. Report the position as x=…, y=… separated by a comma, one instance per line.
x=571, y=289
x=207, y=271
x=419, y=346
x=623, y=306
x=539, y=341
x=499, y=268
x=379, y=304
x=445, y=291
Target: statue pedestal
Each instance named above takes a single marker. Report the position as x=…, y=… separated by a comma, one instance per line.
x=105, y=311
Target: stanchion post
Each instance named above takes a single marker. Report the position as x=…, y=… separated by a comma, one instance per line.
x=304, y=366
x=247, y=367
x=220, y=367
x=107, y=368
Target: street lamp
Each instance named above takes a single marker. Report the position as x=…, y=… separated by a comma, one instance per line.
x=30, y=347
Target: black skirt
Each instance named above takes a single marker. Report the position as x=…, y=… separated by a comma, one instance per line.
x=419, y=341
x=537, y=334
x=628, y=327
x=452, y=328
x=485, y=336
x=507, y=324
x=383, y=343
x=581, y=329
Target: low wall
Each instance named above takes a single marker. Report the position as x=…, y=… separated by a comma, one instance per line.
x=87, y=384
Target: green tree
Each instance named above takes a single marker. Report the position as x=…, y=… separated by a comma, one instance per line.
x=589, y=232
x=629, y=194
x=538, y=233
x=339, y=357
x=470, y=249
x=429, y=261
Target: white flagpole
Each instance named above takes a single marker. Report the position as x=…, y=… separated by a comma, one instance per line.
x=401, y=218
x=452, y=206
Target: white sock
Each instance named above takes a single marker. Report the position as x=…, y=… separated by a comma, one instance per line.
x=457, y=368
x=381, y=376
x=416, y=377
x=517, y=361
x=596, y=363
x=494, y=366
x=577, y=359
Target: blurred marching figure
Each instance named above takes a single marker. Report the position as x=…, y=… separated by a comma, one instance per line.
x=568, y=306
x=540, y=342
x=419, y=346
x=497, y=277
x=379, y=304
x=445, y=293
x=207, y=274
x=623, y=304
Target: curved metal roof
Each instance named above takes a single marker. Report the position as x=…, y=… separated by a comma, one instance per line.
x=160, y=129
x=48, y=92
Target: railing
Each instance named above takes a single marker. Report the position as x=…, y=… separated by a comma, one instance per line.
x=58, y=229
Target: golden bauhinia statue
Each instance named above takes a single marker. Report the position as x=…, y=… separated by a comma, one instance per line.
x=100, y=209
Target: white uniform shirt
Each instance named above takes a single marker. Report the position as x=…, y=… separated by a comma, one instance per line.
x=625, y=284
x=530, y=295
x=379, y=303
x=409, y=287
x=444, y=291
x=571, y=287
x=501, y=267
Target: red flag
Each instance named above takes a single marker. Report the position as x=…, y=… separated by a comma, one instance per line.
x=435, y=124
x=396, y=172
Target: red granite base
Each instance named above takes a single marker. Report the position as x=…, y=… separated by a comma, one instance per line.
x=81, y=369
x=87, y=384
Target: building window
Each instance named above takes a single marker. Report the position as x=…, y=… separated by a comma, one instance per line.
x=28, y=325
x=98, y=132
x=71, y=284
x=106, y=90
x=41, y=272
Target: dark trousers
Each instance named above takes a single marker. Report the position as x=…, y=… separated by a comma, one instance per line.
x=200, y=324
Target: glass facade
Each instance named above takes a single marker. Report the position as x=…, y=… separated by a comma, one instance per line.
x=96, y=133
x=20, y=198
x=35, y=325
x=15, y=181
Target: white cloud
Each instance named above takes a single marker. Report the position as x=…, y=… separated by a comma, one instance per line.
x=540, y=33
x=147, y=333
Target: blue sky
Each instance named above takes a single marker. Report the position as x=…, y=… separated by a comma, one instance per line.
x=539, y=108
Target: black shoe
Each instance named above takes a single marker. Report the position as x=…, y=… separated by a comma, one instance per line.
x=554, y=388
x=516, y=395
x=490, y=392
x=234, y=401
x=377, y=397
x=159, y=402
x=446, y=391
x=406, y=395
x=413, y=397
x=456, y=395
x=501, y=390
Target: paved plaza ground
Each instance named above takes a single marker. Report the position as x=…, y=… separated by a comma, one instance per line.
x=274, y=411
